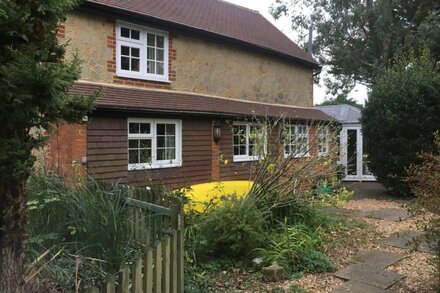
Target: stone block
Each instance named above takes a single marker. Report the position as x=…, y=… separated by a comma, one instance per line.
x=370, y=275
x=273, y=273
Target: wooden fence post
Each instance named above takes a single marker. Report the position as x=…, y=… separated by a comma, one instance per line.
x=148, y=271
x=158, y=268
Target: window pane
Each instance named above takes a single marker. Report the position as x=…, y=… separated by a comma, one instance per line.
x=160, y=55
x=145, y=143
x=170, y=153
x=159, y=68
x=133, y=143
x=125, y=50
x=160, y=129
x=170, y=141
x=133, y=156
x=135, y=52
x=160, y=141
x=145, y=128
x=133, y=127
x=135, y=65
x=171, y=129
x=160, y=154
x=135, y=34
x=160, y=41
x=125, y=32
x=145, y=156
x=125, y=63
x=242, y=150
x=151, y=40
x=151, y=67
x=150, y=53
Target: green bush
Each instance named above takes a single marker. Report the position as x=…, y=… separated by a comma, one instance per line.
x=399, y=118
x=424, y=180
x=232, y=228
x=297, y=248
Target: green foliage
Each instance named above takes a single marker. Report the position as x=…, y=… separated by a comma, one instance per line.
x=424, y=181
x=400, y=118
x=232, y=228
x=34, y=80
x=340, y=100
x=357, y=39
x=296, y=248
x=87, y=223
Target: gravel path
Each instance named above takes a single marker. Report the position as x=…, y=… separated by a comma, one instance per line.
x=415, y=266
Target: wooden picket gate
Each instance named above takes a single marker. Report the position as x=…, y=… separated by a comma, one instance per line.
x=156, y=221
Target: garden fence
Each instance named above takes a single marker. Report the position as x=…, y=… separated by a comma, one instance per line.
x=156, y=221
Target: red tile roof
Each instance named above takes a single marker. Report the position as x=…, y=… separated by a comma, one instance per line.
x=216, y=17
x=165, y=101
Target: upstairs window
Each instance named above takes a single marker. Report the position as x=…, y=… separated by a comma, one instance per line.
x=154, y=143
x=249, y=141
x=141, y=52
x=297, y=141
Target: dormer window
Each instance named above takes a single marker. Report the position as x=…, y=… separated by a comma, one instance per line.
x=141, y=52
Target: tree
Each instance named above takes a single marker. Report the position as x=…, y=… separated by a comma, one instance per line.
x=400, y=118
x=357, y=39
x=340, y=100
x=34, y=94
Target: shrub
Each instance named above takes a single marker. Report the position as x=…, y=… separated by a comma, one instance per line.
x=297, y=248
x=231, y=228
x=400, y=117
x=424, y=181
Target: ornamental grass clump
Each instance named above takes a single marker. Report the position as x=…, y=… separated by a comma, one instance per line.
x=77, y=232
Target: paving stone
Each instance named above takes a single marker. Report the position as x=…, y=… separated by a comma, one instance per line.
x=389, y=214
x=357, y=287
x=378, y=258
x=344, y=212
x=370, y=275
x=408, y=240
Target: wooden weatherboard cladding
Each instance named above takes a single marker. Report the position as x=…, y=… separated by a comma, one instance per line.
x=107, y=141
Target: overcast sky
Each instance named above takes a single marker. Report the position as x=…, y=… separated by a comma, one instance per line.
x=283, y=24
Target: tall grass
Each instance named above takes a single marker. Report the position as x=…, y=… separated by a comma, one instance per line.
x=86, y=223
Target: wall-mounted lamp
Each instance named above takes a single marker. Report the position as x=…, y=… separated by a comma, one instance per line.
x=216, y=131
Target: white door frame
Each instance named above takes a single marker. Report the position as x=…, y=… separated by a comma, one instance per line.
x=359, y=154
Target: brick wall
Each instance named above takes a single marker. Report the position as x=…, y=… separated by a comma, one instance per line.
x=66, y=150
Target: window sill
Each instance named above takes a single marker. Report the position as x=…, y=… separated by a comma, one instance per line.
x=140, y=167
x=244, y=159
x=298, y=156
x=142, y=77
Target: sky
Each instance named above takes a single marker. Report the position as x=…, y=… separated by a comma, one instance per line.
x=283, y=24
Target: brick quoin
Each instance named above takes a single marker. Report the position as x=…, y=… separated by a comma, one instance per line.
x=61, y=31
x=66, y=149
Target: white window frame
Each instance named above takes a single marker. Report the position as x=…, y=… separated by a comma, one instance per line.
x=247, y=157
x=307, y=135
x=156, y=164
x=323, y=133
x=142, y=45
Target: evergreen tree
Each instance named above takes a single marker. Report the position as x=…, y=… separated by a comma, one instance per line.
x=400, y=118
x=34, y=94
x=340, y=100
x=357, y=39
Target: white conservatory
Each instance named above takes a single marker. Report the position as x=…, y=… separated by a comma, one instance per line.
x=353, y=155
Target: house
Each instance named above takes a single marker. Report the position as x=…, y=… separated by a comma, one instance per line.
x=179, y=81
x=353, y=155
